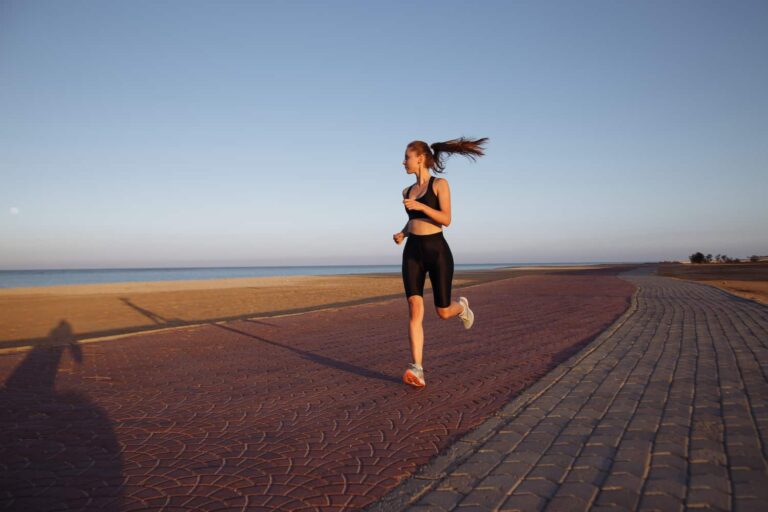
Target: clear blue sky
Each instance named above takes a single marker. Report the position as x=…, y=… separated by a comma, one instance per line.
x=187, y=133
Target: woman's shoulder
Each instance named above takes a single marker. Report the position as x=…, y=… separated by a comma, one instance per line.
x=440, y=182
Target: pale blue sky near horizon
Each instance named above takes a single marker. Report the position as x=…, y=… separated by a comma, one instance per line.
x=191, y=133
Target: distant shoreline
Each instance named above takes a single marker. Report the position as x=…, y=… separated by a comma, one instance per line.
x=29, y=278
x=260, y=281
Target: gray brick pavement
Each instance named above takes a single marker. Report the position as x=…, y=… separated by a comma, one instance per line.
x=666, y=411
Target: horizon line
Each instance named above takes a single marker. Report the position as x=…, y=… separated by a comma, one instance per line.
x=324, y=265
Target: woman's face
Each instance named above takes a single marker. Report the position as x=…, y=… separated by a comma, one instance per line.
x=412, y=163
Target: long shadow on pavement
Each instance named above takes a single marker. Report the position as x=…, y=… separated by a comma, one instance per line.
x=316, y=358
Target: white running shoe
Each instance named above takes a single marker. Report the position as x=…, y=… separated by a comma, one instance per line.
x=467, y=316
x=414, y=376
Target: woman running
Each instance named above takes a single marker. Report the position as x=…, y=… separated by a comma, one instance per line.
x=428, y=204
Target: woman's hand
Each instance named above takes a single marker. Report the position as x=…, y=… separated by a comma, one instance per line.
x=398, y=237
x=412, y=204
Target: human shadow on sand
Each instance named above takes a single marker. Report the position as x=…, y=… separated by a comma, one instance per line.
x=57, y=449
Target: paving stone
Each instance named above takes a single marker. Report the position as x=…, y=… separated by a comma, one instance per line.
x=539, y=486
x=477, y=469
x=511, y=470
x=753, y=489
x=747, y=475
x=500, y=482
x=679, y=449
x=522, y=503
x=590, y=450
x=710, y=481
x=661, y=503
x=460, y=483
x=593, y=462
x=441, y=499
x=748, y=505
x=552, y=473
x=566, y=504
x=707, y=498
x=586, y=474
x=675, y=461
x=622, y=480
x=551, y=459
x=584, y=491
x=488, y=498
x=671, y=487
x=624, y=498
x=570, y=449
x=707, y=468
x=523, y=457
x=637, y=467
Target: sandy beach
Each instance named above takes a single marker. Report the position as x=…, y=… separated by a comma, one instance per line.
x=27, y=315
x=747, y=280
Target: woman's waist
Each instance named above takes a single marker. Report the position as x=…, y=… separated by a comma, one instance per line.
x=417, y=235
x=428, y=226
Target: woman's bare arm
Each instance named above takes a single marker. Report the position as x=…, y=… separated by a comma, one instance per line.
x=405, y=228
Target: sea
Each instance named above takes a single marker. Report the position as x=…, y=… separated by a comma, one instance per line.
x=55, y=277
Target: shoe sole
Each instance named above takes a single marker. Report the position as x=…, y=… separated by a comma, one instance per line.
x=471, y=314
x=410, y=378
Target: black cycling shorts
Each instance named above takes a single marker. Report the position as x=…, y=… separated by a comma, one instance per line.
x=428, y=253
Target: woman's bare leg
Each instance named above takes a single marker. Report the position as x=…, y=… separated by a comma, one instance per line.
x=454, y=309
x=415, y=326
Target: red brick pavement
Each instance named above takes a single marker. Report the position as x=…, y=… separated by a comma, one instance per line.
x=303, y=412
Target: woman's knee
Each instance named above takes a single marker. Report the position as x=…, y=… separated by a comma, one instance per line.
x=416, y=305
x=444, y=313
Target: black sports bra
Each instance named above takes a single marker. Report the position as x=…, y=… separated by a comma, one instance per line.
x=429, y=198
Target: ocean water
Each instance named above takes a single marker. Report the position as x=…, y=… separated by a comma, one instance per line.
x=54, y=277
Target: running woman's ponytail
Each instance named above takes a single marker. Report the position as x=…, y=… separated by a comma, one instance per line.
x=434, y=158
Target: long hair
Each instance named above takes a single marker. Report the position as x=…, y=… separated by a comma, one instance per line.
x=440, y=151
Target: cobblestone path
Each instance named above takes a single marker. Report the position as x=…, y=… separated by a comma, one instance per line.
x=667, y=410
